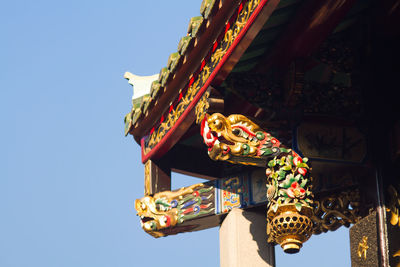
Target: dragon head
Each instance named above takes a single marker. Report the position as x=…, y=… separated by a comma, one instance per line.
x=238, y=140
x=164, y=210
x=155, y=214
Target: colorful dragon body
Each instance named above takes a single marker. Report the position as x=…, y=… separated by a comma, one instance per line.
x=237, y=139
x=167, y=209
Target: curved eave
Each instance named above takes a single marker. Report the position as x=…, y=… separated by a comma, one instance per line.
x=222, y=69
x=197, y=50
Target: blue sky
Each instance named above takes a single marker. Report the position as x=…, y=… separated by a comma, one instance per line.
x=68, y=176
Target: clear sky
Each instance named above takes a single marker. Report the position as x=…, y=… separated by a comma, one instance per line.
x=68, y=176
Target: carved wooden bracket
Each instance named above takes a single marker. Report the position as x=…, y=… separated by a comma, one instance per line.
x=336, y=210
x=239, y=140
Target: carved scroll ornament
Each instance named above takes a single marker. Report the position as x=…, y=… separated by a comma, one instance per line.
x=336, y=210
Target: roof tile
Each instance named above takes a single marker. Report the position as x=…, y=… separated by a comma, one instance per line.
x=183, y=44
x=164, y=75
x=155, y=89
x=194, y=25
x=207, y=7
x=173, y=61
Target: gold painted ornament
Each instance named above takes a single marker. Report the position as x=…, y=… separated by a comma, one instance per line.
x=168, y=209
x=289, y=227
x=239, y=140
x=290, y=213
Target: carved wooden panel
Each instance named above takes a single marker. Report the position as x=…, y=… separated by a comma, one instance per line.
x=364, y=242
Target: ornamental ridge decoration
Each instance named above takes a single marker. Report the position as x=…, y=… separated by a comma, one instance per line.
x=186, y=96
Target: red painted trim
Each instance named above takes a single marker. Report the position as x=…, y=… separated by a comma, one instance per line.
x=162, y=146
x=142, y=146
x=244, y=129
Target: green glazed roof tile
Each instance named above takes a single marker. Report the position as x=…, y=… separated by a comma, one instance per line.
x=142, y=104
x=136, y=116
x=173, y=61
x=138, y=102
x=155, y=88
x=128, y=122
x=206, y=7
x=149, y=103
x=164, y=75
x=183, y=44
x=194, y=25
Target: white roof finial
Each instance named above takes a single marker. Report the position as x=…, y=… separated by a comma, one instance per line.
x=141, y=84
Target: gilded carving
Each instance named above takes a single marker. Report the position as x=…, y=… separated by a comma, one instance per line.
x=334, y=211
x=289, y=227
x=290, y=198
x=147, y=180
x=396, y=255
x=174, y=115
x=227, y=40
x=202, y=107
x=393, y=205
x=237, y=139
x=205, y=74
x=170, y=208
x=220, y=52
x=363, y=248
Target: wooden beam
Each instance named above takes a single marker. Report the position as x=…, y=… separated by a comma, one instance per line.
x=194, y=162
x=157, y=178
x=245, y=41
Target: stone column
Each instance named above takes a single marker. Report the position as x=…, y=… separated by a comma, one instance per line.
x=243, y=240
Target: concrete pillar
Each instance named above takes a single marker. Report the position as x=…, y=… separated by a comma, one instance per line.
x=243, y=240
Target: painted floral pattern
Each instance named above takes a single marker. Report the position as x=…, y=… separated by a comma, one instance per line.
x=288, y=182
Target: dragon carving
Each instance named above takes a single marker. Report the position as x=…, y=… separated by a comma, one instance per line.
x=237, y=139
x=167, y=209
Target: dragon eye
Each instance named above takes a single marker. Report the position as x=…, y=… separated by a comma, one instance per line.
x=143, y=206
x=164, y=221
x=150, y=226
x=236, y=131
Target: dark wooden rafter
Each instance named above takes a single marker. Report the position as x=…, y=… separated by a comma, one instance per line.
x=388, y=18
x=194, y=162
x=313, y=23
x=216, y=101
x=246, y=40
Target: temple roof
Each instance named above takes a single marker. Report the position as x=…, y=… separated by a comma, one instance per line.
x=248, y=36
x=196, y=27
